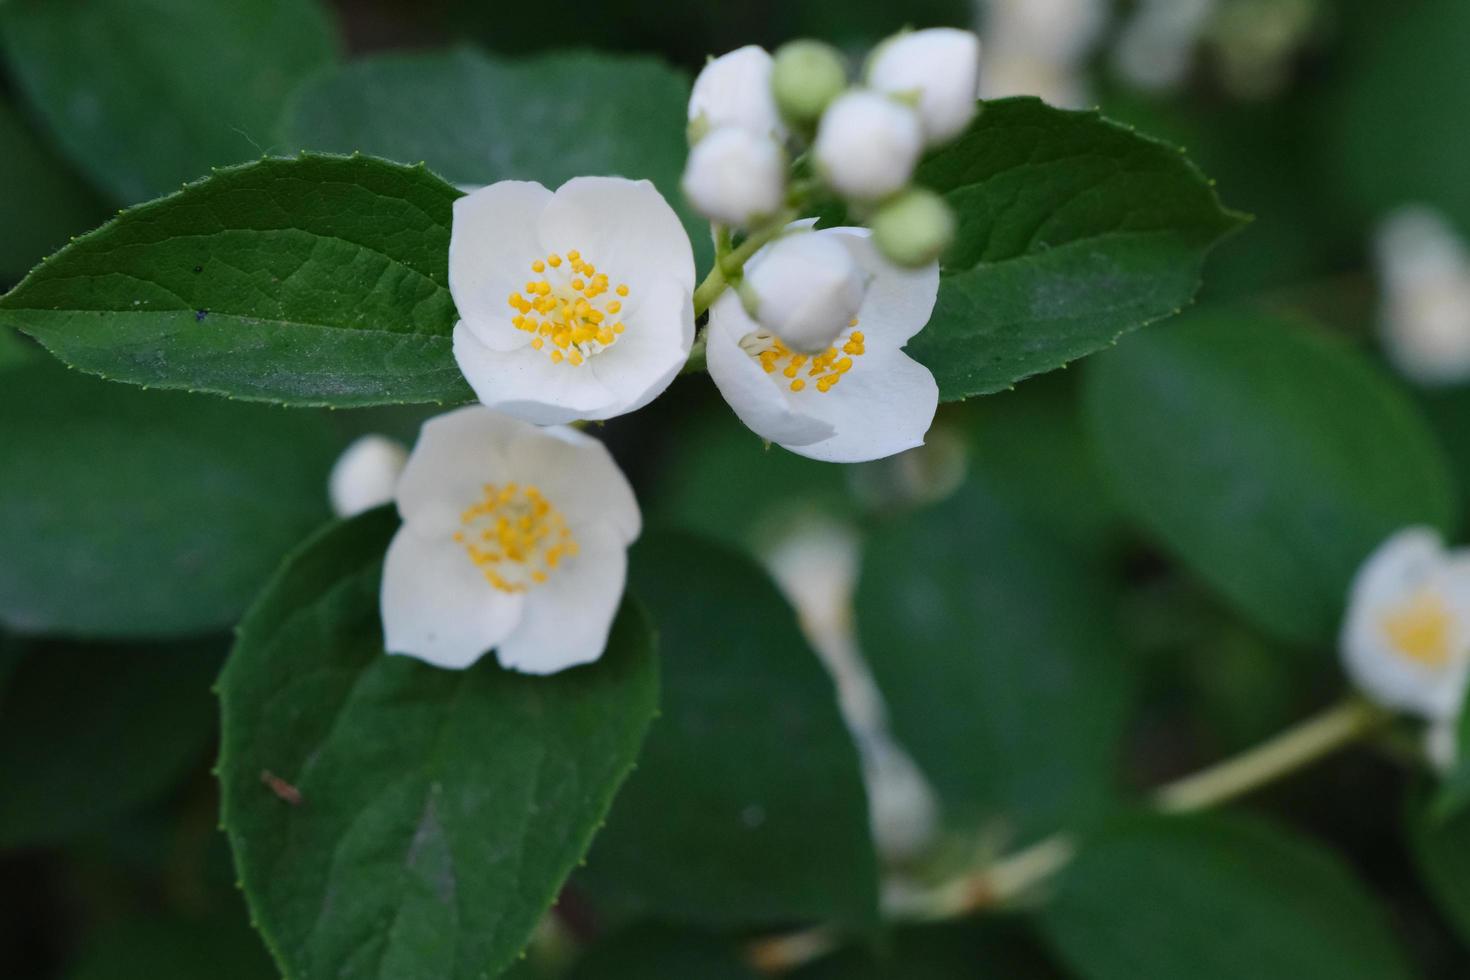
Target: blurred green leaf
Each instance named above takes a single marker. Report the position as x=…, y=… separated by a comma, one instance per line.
x=1073, y=230
x=439, y=811
x=661, y=953
x=1268, y=458
x=748, y=806
x=476, y=119
x=221, y=946
x=90, y=733
x=145, y=94
x=41, y=203
x=984, y=950
x=131, y=513
x=994, y=644
x=1214, y=898
x=1440, y=849
x=1454, y=788
x=320, y=280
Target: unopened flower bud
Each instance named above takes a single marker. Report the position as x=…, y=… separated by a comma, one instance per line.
x=735, y=90
x=735, y=177
x=365, y=475
x=867, y=145
x=941, y=67
x=806, y=77
x=914, y=228
x=807, y=289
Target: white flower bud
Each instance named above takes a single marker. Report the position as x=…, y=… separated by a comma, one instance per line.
x=807, y=76
x=867, y=145
x=365, y=475
x=735, y=177
x=941, y=66
x=807, y=289
x=735, y=90
x=913, y=228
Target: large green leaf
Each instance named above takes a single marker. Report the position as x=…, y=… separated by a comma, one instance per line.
x=1073, y=230
x=1209, y=898
x=319, y=280
x=89, y=733
x=476, y=119
x=1269, y=458
x=131, y=513
x=747, y=806
x=439, y=811
x=1440, y=848
x=994, y=644
x=146, y=94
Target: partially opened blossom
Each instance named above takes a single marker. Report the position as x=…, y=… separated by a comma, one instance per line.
x=1406, y=638
x=573, y=305
x=735, y=177
x=867, y=144
x=735, y=90
x=861, y=398
x=365, y=475
x=806, y=290
x=514, y=538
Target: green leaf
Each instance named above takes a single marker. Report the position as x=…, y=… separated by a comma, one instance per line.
x=1440, y=848
x=1072, y=231
x=131, y=513
x=990, y=949
x=994, y=645
x=145, y=96
x=1454, y=789
x=748, y=806
x=439, y=811
x=661, y=953
x=90, y=733
x=1268, y=458
x=476, y=119
x=314, y=281
x=220, y=946
x=1211, y=898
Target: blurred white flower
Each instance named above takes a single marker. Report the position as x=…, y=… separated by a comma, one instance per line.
x=867, y=144
x=1157, y=43
x=365, y=474
x=573, y=305
x=735, y=90
x=514, y=538
x=1406, y=638
x=807, y=289
x=941, y=68
x=1424, y=320
x=1442, y=744
x=735, y=177
x=1038, y=47
x=863, y=397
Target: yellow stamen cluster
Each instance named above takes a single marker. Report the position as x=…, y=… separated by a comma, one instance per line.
x=564, y=311
x=515, y=536
x=822, y=370
x=1419, y=630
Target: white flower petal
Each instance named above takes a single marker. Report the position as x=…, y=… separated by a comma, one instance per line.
x=456, y=454
x=437, y=606
x=491, y=246
x=624, y=227
x=527, y=385
x=884, y=405
x=651, y=352
x=765, y=407
x=898, y=302
x=578, y=476
x=568, y=617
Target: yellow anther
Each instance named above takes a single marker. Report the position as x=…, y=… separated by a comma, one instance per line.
x=578, y=284
x=537, y=343
x=553, y=260
x=799, y=384
x=622, y=289
x=574, y=256
x=618, y=327
x=556, y=357
x=614, y=307
x=539, y=266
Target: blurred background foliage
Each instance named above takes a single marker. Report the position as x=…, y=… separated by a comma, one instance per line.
x=1100, y=580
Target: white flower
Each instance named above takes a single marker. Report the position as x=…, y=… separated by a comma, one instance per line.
x=1425, y=318
x=807, y=288
x=735, y=177
x=514, y=538
x=365, y=474
x=1156, y=45
x=941, y=66
x=862, y=398
x=1442, y=744
x=1406, y=639
x=867, y=144
x=735, y=90
x=573, y=305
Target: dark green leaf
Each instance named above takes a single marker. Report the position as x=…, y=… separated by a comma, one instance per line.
x=220, y=946
x=439, y=811
x=89, y=733
x=1440, y=848
x=985, y=950
x=313, y=281
x=995, y=647
x=1454, y=789
x=747, y=806
x=660, y=953
x=1072, y=231
x=131, y=513
x=145, y=96
x=1268, y=458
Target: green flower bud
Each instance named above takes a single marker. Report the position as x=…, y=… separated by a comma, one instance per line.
x=806, y=77
x=913, y=228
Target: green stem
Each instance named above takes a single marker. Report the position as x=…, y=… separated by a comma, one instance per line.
x=729, y=267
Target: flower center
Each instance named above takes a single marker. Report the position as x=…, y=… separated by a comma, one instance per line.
x=515, y=536
x=1420, y=630
x=822, y=370
x=565, y=311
